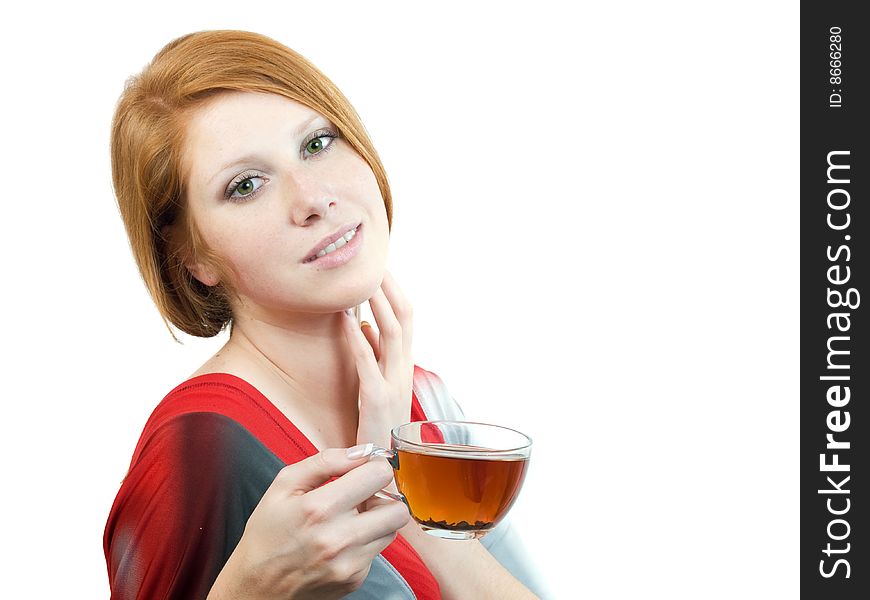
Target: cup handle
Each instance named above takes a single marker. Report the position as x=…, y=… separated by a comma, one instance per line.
x=391, y=455
x=392, y=458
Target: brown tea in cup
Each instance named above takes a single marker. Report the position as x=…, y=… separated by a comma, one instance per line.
x=459, y=479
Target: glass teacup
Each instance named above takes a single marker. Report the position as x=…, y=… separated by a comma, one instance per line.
x=458, y=478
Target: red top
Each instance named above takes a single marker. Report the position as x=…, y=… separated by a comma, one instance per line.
x=206, y=456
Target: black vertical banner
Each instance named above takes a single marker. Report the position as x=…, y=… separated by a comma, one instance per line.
x=834, y=370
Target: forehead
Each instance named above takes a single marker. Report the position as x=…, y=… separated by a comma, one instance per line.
x=234, y=124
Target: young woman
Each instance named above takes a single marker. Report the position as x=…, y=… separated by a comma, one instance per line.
x=254, y=200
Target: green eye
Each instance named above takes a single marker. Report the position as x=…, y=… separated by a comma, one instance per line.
x=321, y=143
x=315, y=146
x=245, y=187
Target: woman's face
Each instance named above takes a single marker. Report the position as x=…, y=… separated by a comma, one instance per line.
x=267, y=183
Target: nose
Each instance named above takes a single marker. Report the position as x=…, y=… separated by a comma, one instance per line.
x=308, y=197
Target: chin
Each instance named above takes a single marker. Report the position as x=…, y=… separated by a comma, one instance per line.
x=365, y=287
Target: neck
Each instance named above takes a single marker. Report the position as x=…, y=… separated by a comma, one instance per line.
x=308, y=353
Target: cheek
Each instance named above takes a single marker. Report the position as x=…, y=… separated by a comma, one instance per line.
x=356, y=177
x=246, y=250
x=251, y=248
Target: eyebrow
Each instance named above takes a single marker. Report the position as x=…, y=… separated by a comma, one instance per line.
x=254, y=156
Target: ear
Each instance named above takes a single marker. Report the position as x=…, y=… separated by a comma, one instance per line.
x=203, y=273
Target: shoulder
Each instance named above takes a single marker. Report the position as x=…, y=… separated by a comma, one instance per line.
x=182, y=508
x=211, y=392
x=238, y=400
x=202, y=445
x=189, y=464
x=207, y=424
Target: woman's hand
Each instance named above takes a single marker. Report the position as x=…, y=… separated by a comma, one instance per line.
x=306, y=540
x=384, y=364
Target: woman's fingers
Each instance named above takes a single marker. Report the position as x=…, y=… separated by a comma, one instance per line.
x=367, y=368
x=351, y=489
x=395, y=321
x=404, y=313
x=402, y=309
x=372, y=337
x=384, y=364
x=380, y=521
x=390, y=341
x=376, y=547
x=312, y=472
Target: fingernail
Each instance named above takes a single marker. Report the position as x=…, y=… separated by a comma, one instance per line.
x=360, y=451
x=364, y=324
x=348, y=312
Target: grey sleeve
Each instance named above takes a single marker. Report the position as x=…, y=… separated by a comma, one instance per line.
x=383, y=583
x=504, y=542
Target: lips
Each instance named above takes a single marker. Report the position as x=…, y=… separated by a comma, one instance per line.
x=312, y=254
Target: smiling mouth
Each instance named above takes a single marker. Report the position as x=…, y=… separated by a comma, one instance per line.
x=339, y=243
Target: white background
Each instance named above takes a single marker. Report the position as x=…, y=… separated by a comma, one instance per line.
x=596, y=218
